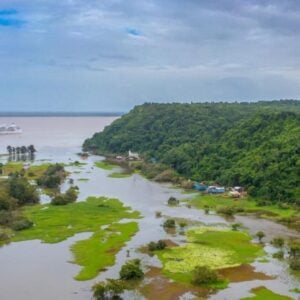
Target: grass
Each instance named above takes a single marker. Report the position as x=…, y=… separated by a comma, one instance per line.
x=98, y=252
x=119, y=175
x=246, y=205
x=83, y=179
x=262, y=293
x=207, y=246
x=12, y=167
x=105, y=165
x=53, y=224
x=33, y=172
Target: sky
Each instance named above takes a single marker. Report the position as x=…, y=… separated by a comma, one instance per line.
x=109, y=55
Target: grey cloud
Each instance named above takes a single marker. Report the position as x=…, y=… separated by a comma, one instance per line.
x=142, y=50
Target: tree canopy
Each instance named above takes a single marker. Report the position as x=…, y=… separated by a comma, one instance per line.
x=255, y=145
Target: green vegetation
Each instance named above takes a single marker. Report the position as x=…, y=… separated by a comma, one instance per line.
x=111, y=289
x=262, y=293
x=169, y=223
x=119, y=175
x=68, y=197
x=255, y=145
x=83, y=179
x=98, y=252
x=53, y=224
x=173, y=201
x=75, y=163
x=260, y=235
x=131, y=270
x=154, y=246
x=32, y=172
x=53, y=176
x=203, y=275
x=214, y=248
x=278, y=242
x=224, y=204
x=105, y=165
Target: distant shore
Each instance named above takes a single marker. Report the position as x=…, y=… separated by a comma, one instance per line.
x=61, y=114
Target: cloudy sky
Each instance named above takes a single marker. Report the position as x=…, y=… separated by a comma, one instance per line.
x=108, y=55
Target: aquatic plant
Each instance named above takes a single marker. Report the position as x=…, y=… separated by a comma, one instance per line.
x=204, y=275
x=131, y=270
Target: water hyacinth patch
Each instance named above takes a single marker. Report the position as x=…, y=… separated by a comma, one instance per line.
x=216, y=248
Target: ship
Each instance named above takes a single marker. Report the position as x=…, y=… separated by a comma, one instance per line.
x=10, y=129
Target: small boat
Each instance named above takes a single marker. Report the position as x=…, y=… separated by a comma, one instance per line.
x=10, y=129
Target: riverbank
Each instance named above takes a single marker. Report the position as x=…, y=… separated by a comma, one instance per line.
x=284, y=213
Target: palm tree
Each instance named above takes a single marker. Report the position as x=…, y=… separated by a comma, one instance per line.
x=31, y=149
x=9, y=149
x=23, y=149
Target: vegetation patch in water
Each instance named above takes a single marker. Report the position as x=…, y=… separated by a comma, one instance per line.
x=32, y=172
x=98, y=252
x=244, y=205
x=262, y=293
x=83, y=179
x=53, y=224
x=104, y=165
x=119, y=175
x=212, y=247
x=57, y=223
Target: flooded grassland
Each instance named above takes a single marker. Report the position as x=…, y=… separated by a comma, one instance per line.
x=116, y=215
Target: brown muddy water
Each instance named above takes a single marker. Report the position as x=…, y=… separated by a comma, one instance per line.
x=32, y=270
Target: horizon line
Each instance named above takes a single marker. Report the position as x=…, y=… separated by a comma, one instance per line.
x=59, y=114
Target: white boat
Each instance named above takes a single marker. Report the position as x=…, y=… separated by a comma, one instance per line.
x=10, y=129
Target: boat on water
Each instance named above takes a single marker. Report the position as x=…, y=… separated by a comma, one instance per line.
x=10, y=129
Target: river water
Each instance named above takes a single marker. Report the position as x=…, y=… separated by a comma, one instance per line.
x=32, y=270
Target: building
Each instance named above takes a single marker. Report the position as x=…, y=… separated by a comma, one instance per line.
x=133, y=155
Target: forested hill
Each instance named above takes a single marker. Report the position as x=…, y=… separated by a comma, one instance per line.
x=255, y=145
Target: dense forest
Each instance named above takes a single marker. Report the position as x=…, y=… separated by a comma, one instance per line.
x=256, y=145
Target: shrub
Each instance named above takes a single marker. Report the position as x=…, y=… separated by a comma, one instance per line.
x=169, y=223
x=226, y=210
x=278, y=242
x=158, y=214
x=3, y=236
x=182, y=224
x=295, y=264
x=260, y=235
x=278, y=255
x=204, y=275
x=69, y=196
x=173, y=201
x=5, y=218
x=20, y=189
x=294, y=247
x=235, y=226
x=160, y=245
x=21, y=224
x=131, y=270
x=108, y=290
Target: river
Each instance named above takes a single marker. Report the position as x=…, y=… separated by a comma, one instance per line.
x=32, y=270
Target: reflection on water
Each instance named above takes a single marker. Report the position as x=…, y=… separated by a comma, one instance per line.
x=32, y=270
